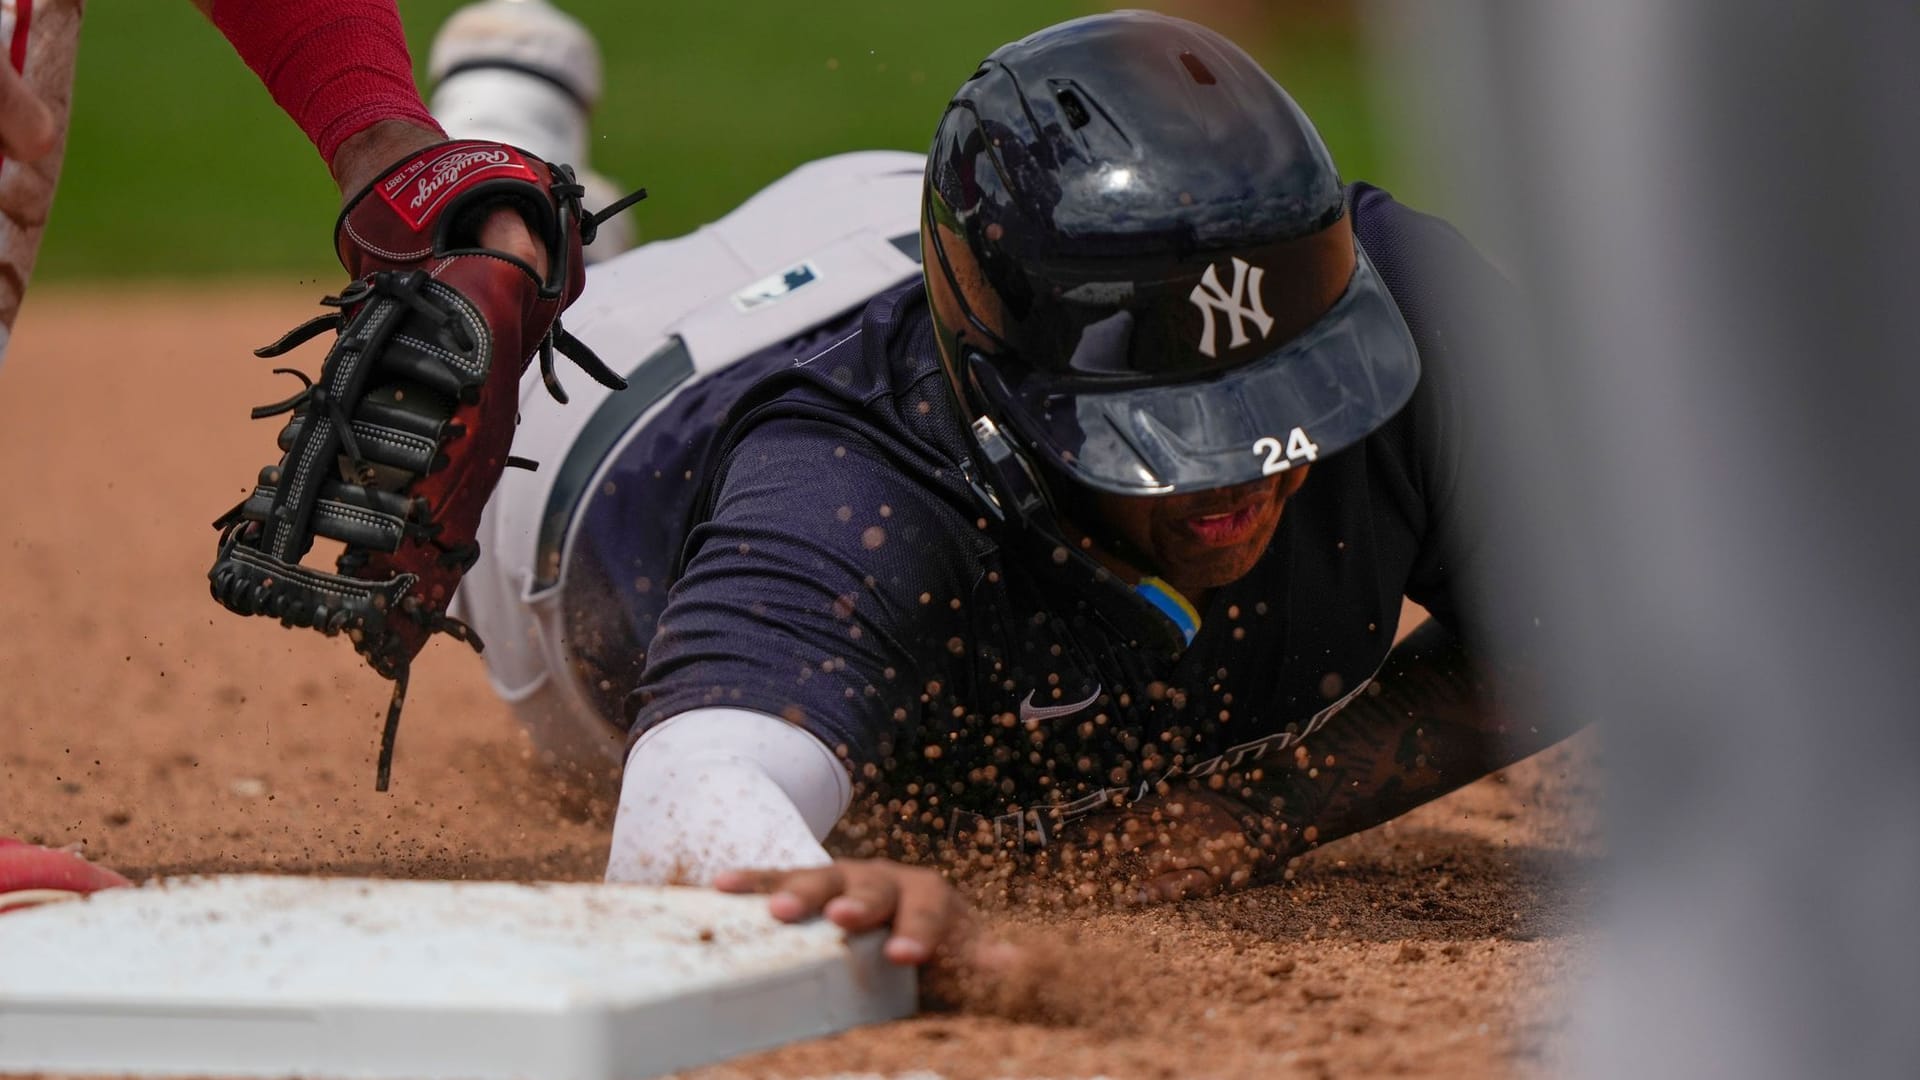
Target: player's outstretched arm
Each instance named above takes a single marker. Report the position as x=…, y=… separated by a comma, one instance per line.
x=1435, y=726
x=1439, y=723
x=740, y=800
x=712, y=789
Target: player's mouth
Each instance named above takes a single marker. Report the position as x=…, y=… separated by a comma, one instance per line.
x=1225, y=528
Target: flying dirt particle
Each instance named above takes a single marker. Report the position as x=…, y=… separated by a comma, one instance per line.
x=706, y=935
x=1410, y=954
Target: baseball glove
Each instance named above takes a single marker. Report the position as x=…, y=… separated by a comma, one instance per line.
x=395, y=448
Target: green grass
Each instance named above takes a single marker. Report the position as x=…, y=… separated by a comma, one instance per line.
x=180, y=165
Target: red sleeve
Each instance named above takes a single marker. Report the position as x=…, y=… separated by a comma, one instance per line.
x=336, y=66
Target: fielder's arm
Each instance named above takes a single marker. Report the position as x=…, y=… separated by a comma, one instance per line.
x=380, y=114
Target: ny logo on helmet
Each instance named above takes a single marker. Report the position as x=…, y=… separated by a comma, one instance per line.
x=1209, y=297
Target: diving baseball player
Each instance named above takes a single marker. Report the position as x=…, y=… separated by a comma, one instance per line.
x=1049, y=501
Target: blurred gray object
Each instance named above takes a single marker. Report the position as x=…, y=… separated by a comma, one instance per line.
x=1709, y=433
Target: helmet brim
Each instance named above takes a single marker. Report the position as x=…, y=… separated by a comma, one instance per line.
x=1336, y=383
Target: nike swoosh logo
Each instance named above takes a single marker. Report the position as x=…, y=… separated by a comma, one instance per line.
x=1030, y=712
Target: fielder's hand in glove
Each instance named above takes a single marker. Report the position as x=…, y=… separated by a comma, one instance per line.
x=395, y=448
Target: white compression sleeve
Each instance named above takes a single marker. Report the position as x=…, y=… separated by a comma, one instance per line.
x=724, y=789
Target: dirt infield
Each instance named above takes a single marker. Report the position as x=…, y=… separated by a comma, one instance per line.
x=138, y=717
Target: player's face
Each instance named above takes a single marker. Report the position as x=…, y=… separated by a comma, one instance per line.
x=1207, y=539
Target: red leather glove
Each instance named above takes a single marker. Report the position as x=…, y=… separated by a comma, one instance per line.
x=395, y=448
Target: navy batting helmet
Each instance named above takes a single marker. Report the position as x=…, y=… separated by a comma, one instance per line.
x=1141, y=269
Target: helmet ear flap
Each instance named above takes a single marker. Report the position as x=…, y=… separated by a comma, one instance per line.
x=964, y=305
x=1007, y=482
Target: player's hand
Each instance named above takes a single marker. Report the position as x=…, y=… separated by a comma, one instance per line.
x=928, y=918
x=27, y=131
x=505, y=231
x=1185, y=843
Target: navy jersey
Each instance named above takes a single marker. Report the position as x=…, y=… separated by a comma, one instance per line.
x=800, y=539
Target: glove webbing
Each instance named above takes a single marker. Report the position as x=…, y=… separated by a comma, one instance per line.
x=387, y=298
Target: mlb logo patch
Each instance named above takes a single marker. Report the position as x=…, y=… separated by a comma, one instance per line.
x=776, y=287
